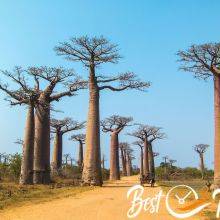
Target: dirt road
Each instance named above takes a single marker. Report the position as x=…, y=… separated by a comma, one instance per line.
x=106, y=203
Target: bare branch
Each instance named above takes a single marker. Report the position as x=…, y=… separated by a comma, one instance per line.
x=139, y=143
x=19, y=141
x=203, y=60
x=115, y=123
x=148, y=133
x=201, y=148
x=18, y=77
x=78, y=137
x=96, y=50
x=155, y=154
x=65, y=125
x=125, y=81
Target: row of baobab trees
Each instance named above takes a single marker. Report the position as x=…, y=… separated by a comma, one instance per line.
x=36, y=88
x=203, y=60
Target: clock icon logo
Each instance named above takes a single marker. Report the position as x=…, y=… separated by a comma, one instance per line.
x=182, y=200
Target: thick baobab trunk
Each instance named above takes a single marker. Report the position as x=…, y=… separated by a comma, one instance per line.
x=28, y=149
x=202, y=166
x=217, y=131
x=123, y=162
x=146, y=159
x=141, y=163
x=114, y=158
x=42, y=142
x=92, y=162
x=80, y=160
x=151, y=161
x=57, y=152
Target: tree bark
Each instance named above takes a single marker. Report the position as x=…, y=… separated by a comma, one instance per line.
x=151, y=161
x=123, y=161
x=146, y=159
x=58, y=152
x=26, y=176
x=128, y=166
x=114, y=157
x=80, y=160
x=217, y=131
x=92, y=162
x=141, y=163
x=42, y=142
x=202, y=166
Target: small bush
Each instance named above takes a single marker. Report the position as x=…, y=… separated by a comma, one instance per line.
x=10, y=169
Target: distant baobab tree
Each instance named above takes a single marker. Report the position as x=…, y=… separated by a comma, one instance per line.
x=115, y=124
x=103, y=161
x=143, y=133
x=165, y=158
x=201, y=149
x=140, y=144
x=66, y=159
x=92, y=52
x=171, y=161
x=5, y=158
x=148, y=134
x=204, y=61
x=1, y=157
x=129, y=158
x=123, y=146
x=80, y=138
x=59, y=128
x=156, y=135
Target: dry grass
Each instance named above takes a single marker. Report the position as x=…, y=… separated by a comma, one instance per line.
x=12, y=194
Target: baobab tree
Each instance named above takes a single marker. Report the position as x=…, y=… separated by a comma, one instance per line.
x=61, y=127
x=115, y=124
x=24, y=95
x=92, y=52
x=204, y=61
x=6, y=158
x=201, y=149
x=147, y=134
x=156, y=135
x=1, y=156
x=123, y=146
x=66, y=158
x=143, y=133
x=140, y=144
x=80, y=138
x=165, y=158
x=129, y=158
x=37, y=131
x=171, y=161
x=103, y=161
x=52, y=77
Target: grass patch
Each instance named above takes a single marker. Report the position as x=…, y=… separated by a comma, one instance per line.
x=12, y=194
x=209, y=215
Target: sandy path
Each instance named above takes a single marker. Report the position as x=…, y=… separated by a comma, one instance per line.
x=106, y=203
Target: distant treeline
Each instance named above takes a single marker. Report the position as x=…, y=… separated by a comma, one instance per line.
x=178, y=173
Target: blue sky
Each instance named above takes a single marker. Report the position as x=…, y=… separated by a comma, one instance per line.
x=149, y=34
